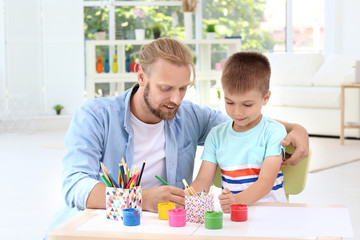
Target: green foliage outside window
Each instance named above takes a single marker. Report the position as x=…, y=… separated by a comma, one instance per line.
x=239, y=18
x=231, y=17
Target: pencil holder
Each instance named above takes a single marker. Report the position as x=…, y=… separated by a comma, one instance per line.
x=119, y=198
x=177, y=217
x=131, y=217
x=197, y=206
x=163, y=209
x=213, y=220
x=238, y=212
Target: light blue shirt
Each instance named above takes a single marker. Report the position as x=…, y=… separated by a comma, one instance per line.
x=101, y=131
x=240, y=155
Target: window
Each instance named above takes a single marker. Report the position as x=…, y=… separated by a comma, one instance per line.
x=129, y=18
x=308, y=25
x=255, y=21
x=262, y=24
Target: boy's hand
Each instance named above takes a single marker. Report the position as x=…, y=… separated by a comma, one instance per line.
x=226, y=198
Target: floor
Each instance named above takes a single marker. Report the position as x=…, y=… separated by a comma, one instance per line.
x=31, y=169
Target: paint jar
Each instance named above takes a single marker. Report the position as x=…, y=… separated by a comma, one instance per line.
x=238, y=212
x=177, y=217
x=213, y=220
x=163, y=209
x=131, y=217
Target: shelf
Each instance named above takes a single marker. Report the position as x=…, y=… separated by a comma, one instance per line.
x=204, y=72
x=132, y=77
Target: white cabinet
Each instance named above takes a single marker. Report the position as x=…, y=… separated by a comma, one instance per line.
x=205, y=51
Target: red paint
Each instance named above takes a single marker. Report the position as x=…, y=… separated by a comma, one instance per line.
x=238, y=212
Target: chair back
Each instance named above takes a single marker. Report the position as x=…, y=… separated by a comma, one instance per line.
x=294, y=176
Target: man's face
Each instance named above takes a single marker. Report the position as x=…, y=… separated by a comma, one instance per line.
x=165, y=88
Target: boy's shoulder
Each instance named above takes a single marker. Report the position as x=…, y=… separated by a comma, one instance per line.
x=273, y=126
x=221, y=127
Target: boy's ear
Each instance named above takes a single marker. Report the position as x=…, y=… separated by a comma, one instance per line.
x=141, y=77
x=266, y=97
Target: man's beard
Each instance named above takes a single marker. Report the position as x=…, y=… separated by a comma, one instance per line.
x=157, y=112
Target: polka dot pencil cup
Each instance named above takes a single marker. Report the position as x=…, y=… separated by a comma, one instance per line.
x=196, y=206
x=119, y=198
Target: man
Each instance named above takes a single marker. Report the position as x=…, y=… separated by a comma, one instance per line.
x=149, y=121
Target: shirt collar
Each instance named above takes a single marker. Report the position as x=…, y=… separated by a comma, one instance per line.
x=129, y=93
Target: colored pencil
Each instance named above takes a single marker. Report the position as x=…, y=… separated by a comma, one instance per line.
x=185, y=183
x=105, y=180
x=190, y=189
x=121, y=166
x=132, y=180
x=112, y=177
x=211, y=189
x=134, y=171
x=187, y=192
x=161, y=180
x=141, y=173
x=106, y=174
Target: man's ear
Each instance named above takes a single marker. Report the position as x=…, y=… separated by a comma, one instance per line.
x=141, y=77
x=266, y=97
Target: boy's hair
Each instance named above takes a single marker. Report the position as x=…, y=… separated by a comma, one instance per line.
x=168, y=49
x=245, y=71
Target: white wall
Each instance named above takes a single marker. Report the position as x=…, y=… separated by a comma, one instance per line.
x=23, y=48
x=64, y=54
x=44, y=48
x=342, y=33
x=2, y=49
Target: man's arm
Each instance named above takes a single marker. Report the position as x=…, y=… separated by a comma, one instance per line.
x=298, y=137
x=97, y=199
x=150, y=197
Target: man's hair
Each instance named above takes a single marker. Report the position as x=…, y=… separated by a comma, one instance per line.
x=245, y=71
x=168, y=49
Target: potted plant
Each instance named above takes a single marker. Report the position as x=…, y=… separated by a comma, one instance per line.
x=140, y=24
x=210, y=31
x=100, y=33
x=156, y=29
x=58, y=108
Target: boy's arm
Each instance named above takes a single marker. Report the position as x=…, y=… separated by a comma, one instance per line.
x=264, y=184
x=205, y=177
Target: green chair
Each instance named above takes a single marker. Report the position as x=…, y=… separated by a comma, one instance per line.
x=294, y=176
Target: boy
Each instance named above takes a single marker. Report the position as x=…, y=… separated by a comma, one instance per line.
x=246, y=148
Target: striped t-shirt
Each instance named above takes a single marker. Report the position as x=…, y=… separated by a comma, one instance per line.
x=240, y=155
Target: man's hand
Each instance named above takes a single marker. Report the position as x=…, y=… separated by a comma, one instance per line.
x=152, y=197
x=226, y=198
x=299, y=139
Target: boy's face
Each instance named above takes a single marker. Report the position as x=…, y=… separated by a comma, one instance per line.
x=245, y=108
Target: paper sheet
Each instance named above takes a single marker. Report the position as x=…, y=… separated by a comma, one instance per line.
x=300, y=222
